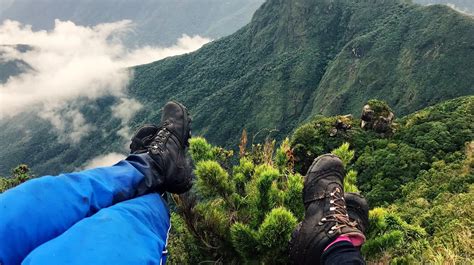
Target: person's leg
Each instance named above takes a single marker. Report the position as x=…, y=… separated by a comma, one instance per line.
x=130, y=232
x=329, y=228
x=43, y=208
x=342, y=250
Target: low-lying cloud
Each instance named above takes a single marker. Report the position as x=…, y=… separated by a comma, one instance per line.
x=104, y=160
x=125, y=110
x=464, y=11
x=68, y=122
x=71, y=62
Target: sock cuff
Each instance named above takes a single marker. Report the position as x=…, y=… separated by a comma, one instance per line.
x=340, y=238
x=355, y=240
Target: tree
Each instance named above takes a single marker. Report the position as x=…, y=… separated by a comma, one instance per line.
x=20, y=174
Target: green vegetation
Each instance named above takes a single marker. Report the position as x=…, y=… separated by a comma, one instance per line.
x=419, y=188
x=240, y=212
x=383, y=163
x=19, y=175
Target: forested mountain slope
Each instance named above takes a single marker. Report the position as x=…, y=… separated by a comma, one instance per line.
x=10, y=68
x=306, y=57
x=294, y=60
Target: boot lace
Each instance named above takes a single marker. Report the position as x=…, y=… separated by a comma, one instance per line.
x=158, y=144
x=338, y=212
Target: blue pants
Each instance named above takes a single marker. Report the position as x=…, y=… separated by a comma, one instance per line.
x=96, y=216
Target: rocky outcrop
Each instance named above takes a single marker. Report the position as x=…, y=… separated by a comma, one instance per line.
x=377, y=116
x=342, y=125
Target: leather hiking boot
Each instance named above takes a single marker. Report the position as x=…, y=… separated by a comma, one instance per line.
x=326, y=216
x=358, y=210
x=168, y=148
x=159, y=152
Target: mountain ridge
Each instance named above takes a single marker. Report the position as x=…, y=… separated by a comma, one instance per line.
x=291, y=66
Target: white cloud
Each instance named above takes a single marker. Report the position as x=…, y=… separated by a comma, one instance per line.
x=71, y=62
x=125, y=110
x=185, y=44
x=459, y=9
x=69, y=123
x=104, y=160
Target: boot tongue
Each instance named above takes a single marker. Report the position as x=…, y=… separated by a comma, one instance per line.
x=322, y=194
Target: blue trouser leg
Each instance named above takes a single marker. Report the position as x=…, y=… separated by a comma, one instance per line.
x=130, y=232
x=43, y=208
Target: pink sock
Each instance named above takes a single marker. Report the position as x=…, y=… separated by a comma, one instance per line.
x=355, y=240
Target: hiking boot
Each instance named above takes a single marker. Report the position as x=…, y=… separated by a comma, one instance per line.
x=168, y=148
x=358, y=211
x=161, y=152
x=326, y=216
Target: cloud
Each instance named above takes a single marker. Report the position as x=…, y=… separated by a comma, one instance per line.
x=464, y=11
x=125, y=110
x=104, y=160
x=185, y=44
x=72, y=62
x=69, y=123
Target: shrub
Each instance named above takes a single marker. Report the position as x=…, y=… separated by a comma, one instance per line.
x=247, y=211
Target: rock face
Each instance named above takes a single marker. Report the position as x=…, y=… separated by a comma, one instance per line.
x=377, y=116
